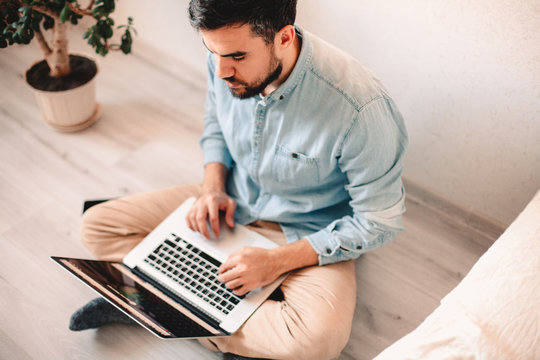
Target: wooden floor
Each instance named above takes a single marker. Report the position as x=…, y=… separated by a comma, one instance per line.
x=147, y=138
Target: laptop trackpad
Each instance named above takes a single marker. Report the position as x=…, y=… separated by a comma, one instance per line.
x=230, y=240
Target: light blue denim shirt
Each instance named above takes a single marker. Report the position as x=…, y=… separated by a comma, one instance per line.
x=322, y=155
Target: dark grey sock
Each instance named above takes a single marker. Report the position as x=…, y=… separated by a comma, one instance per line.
x=229, y=356
x=96, y=313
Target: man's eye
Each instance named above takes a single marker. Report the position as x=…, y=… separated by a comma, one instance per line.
x=238, y=58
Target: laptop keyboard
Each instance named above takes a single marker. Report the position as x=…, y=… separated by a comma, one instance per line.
x=194, y=270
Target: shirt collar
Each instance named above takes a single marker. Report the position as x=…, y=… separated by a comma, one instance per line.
x=302, y=64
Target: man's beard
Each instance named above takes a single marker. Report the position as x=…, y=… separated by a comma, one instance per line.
x=250, y=90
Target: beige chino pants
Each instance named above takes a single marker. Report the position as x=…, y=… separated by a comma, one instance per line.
x=312, y=322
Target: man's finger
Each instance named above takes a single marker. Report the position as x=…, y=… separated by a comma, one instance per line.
x=202, y=215
x=229, y=212
x=190, y=218
x=243, y=290
x=226, y=270
x=233, y=284
x=213, y=216
x=188, y=221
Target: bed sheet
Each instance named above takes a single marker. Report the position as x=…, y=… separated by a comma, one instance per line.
x=494, y=312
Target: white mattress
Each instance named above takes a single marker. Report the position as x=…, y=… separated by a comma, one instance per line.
x=494, y=313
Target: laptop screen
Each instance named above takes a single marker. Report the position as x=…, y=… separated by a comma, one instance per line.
x=139, y=299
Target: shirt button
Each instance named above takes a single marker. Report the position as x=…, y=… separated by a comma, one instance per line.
x=359, y=247
x=281, y=97
x=294, y=155
x=328, y=251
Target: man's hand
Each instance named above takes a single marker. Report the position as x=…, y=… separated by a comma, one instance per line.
x=213, y=200
x=248, y=269
x=207, y=207
x=251, y=267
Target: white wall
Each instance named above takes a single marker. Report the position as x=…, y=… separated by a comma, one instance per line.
x=466, y=75
x=164, y=34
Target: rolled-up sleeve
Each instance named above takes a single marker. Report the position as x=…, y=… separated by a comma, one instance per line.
x=212, y=141
x=371, y=156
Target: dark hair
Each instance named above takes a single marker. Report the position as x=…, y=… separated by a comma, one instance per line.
x=266, y=17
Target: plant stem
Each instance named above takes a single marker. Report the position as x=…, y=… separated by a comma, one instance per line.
x=43, y=43
x=76, y=10
x=91, y=5
x=44, y=10
x=58, y=59
x=56, y=54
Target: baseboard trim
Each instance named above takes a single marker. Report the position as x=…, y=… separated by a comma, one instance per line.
x=454, y=212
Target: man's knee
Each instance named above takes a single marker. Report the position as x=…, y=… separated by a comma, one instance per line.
x=324, y=342
x=326, y=311
x=324, y=332
x=91, y=230
x=104, y=233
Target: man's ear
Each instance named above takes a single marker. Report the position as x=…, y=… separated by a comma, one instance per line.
x=285, y=37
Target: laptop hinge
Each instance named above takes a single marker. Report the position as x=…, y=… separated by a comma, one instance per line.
x=205, y=316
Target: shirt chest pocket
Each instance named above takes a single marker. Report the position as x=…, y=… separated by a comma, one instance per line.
x=294, y=169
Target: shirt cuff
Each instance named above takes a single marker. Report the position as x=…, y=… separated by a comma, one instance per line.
x=325, y=246
x=217, y=154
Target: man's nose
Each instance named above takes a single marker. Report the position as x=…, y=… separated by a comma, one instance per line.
x=223, y=68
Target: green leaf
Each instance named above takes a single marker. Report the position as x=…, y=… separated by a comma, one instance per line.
x=104, y=28
x=64, y=14
x=98, y=11
x=48, y=23
x=126, y=42
x=11, y=17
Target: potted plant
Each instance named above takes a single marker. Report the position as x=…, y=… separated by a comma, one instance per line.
x=63, y=82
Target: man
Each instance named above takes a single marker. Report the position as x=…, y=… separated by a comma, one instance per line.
x=303, y=145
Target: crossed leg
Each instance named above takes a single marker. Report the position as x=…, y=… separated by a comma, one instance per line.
x=313, y=321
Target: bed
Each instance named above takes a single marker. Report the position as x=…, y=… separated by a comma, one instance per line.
x=494, y=312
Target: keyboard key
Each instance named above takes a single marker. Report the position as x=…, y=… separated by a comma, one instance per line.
x=195, y=270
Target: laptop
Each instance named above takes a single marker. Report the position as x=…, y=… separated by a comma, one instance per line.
x=168, y=282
